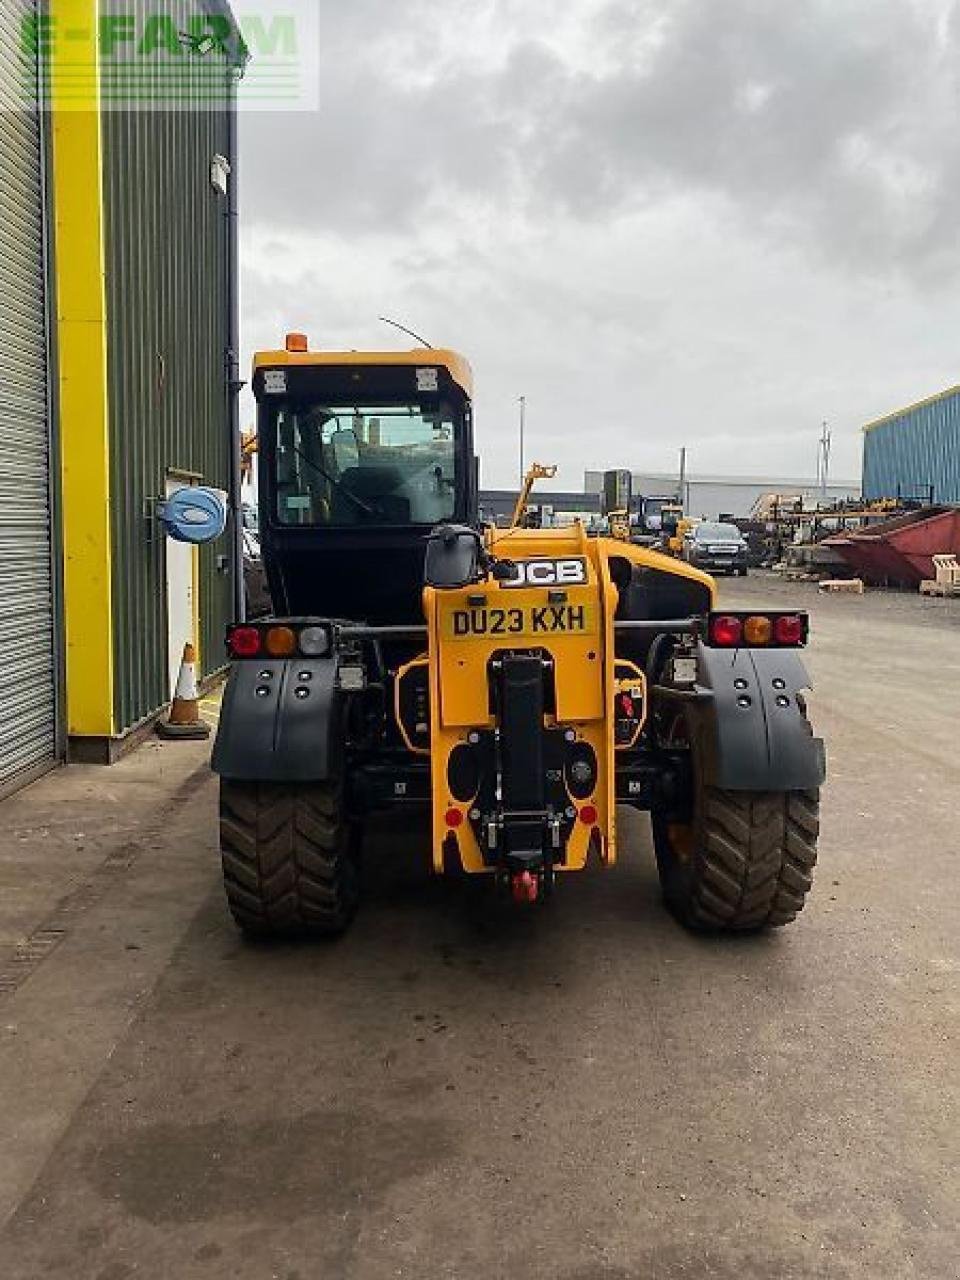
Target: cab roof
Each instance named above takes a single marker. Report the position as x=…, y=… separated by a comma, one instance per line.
x=422, y=357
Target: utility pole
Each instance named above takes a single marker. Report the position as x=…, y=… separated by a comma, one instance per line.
x=523, y=414
x=823, y=460
x=681, y=495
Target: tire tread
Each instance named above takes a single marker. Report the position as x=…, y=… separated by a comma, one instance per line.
x=753, y=864
x=288, y=860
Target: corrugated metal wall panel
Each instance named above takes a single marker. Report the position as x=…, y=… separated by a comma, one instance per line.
x=28, y=702
x=906, y=454
x=167, y=303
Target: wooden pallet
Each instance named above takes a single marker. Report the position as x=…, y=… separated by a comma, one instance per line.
x=847, y=586
x=932, y=588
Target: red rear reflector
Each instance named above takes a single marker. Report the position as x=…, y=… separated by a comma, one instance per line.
x=453, y=817
x=588, y=815
x=726, y=631
x=244, y=642
x=790, y=629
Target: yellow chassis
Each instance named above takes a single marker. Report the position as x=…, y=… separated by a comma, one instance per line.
x=587, y=674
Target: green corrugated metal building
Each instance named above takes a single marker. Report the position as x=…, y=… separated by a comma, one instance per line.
x=121, y=243
x=168, y=337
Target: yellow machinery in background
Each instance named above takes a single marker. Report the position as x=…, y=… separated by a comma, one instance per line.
x=681, y=527
x=536, y=472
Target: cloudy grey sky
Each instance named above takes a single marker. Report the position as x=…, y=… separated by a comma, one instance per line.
x=666, y=222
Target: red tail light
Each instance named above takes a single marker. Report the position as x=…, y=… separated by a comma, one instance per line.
x=790, y=629
x=272, y=639
x=244, y=642
x=725, y=630
x=754, y=630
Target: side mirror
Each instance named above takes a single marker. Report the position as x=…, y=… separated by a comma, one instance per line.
x=453, y=555
x=194, y=513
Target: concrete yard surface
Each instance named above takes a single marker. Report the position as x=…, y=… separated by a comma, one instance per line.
x=460, y=1089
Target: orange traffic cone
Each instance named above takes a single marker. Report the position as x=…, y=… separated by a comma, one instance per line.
x=184, y=719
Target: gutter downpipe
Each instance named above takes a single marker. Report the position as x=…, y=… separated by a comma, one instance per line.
x=234, y=381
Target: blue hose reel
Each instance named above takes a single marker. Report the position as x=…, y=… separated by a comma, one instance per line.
x=194, y=513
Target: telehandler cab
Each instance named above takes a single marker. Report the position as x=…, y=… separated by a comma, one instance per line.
x=518, y=683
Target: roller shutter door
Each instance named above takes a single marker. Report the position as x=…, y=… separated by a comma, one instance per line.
x=28, y=703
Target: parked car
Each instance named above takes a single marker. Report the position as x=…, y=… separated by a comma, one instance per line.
x=716, y=547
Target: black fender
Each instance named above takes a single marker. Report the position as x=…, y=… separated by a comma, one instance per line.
x=748, y=721
x=281, y=721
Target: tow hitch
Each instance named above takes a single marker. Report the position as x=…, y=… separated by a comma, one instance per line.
x=524, y=886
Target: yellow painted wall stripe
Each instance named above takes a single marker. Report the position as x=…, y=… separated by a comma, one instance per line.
x=82, y=357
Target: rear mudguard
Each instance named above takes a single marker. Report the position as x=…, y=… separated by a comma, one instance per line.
x=748, y=722
x=280, y=721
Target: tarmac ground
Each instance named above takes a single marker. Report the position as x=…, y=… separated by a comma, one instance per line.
x=461, y=1089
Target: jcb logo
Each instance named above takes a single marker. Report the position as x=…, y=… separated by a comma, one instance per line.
x=549, y=573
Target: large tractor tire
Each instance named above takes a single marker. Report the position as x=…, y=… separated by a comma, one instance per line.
x=742, y=861
x=290, y=866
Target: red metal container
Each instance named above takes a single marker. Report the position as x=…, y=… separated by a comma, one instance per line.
x=901, y=550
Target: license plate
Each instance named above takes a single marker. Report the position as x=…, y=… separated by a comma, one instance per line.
x=526, y=621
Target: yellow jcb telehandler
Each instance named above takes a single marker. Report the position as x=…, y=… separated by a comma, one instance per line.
x=517, y=684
